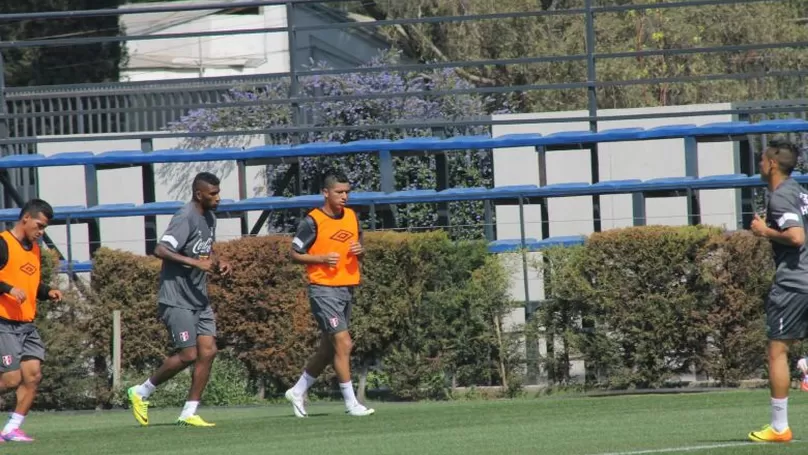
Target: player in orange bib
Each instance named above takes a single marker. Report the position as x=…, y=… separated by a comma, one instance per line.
x=329, y=242
x=21, y=349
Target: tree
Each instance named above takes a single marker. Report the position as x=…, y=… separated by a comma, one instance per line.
x=60, y=64
x=472, y=168
x=674, y=28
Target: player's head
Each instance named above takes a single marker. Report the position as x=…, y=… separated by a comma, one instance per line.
x=34, y=218
x=206, y=190
x=779, y=158
x=335, y=187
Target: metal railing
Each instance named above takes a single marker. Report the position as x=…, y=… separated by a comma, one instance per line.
x=122, y=109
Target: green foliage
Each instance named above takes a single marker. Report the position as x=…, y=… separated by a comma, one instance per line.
x=625, y=31
x=656, y=302
x=737, y=269
x=429, y=311
x=228, y=385
x=65, y=382
x=51, y=65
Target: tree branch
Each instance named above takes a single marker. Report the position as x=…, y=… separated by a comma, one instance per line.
x=414, y=41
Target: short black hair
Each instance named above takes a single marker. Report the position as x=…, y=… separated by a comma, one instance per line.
x=331, y=178
x=205, y=177
x=36, y=206
x=785, y=153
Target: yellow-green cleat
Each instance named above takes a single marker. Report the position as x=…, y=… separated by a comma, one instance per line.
x=139, y=406
x=194, y=421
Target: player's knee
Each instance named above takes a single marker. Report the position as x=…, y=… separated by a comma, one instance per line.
x=208, y=352
x=778, y=351
x=343, y=343
x=188, y=355
x=11, y=379
x=33, y=378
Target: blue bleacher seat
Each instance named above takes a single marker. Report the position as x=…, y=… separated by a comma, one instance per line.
x=424, y=144
x=531, y=244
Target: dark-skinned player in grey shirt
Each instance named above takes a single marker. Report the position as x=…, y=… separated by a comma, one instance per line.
x=787, y=302
x=186, y=249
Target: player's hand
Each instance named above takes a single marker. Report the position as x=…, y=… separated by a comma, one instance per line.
x=357, y=249
x=758, y=226
x=205, y=265
x=331, y=259
x=224, y=268
x=18, y=294
x=55, y=295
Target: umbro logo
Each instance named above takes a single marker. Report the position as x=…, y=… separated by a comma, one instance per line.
x=28, y=269
x=342, y=236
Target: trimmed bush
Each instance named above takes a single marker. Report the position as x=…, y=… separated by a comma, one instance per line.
x=426, y=304
x=643, y=304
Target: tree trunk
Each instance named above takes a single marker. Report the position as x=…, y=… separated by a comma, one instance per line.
x=361, y=389
x=502, y=370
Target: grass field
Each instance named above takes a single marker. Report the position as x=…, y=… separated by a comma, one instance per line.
x=671, y=424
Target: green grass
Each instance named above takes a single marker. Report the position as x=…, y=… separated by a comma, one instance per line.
x=570, y=426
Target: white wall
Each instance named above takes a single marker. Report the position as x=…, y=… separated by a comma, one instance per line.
x=220, y=55
x=63, y=186
x=620, y=160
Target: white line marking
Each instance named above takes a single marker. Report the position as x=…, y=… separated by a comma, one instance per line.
x=694, y=448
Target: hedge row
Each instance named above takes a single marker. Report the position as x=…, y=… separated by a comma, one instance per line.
x=426, y=317
x=640, y=305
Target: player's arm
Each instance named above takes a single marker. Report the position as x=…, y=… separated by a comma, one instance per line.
x=174, y=240
x=304, y=238
x=45, y=292
x=787, y=215
x=358, y=248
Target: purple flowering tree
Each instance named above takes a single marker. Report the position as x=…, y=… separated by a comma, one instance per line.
x=467, y=168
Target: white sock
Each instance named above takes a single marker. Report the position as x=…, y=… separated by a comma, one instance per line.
x=348, y=394
x=189, y=409
x=14, y=422
x=779, y=414
x=303, y=384
x=145, y=389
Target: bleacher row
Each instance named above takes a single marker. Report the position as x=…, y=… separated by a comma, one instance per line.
x=725, y=131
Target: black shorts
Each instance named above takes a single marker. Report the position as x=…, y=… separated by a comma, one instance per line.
x=786, y=314
x=18, y=341
x=331, y=307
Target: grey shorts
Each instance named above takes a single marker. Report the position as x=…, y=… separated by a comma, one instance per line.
x=185, y=325
x=19, y=341
x=331, y=307
x=786, y=314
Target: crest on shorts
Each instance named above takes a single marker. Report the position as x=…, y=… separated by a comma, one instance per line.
x=184, y=336
x=334, y=322
x=7, y=359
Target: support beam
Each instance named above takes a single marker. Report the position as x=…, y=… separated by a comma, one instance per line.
x=149, y=195
x=747, y=165
x=594, y=162
x=91, y=196
x=292, y=172
x=638, y=209
x=692, y=170
x=545, y=211
x=488, y=219
x=12, y=192
x=442, y=181
x=387, y=171
x=241, y=167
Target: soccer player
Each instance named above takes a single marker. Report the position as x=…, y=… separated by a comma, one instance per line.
x=329, y=242
x=787, y=302
x=186, y=249
x=21, y=348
